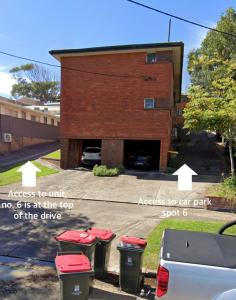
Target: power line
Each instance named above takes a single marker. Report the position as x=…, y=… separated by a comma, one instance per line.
x=145, y=77
x=181, y=19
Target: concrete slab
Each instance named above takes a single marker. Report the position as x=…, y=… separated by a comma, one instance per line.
x=127, y=188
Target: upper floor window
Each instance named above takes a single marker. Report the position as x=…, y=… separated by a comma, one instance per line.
x=33, y=118
x=23, y=115
x=149, y=103
x=179, y=112
x=151, y=58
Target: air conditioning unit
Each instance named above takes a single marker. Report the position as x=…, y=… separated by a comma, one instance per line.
x=7, y=137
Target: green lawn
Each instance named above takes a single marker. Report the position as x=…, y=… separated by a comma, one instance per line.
x=152, y=251
x=54, y=155
x=11, y=175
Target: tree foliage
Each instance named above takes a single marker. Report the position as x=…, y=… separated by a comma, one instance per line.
x=215, y=110
x=35, y=81
x=212, y=94
x=205, y=64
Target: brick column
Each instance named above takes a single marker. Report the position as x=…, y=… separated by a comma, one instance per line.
x=163, y=155
x=71, y=151
x=113, y=153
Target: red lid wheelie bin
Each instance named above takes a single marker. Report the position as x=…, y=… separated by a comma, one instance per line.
x=75, y=276
x=131, y=256
x=78, y=240
x=102, y=250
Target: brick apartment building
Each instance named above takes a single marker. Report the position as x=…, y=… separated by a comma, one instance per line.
x=121, y=98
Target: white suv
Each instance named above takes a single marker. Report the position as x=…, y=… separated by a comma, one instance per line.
x=91, y=156
x=229, y=295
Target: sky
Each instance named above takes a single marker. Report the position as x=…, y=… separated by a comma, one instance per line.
x=32, y=28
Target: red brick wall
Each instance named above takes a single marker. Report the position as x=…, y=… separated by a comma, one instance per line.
x=110, y=107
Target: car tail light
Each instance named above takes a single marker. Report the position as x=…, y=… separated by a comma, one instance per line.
x=162, y=281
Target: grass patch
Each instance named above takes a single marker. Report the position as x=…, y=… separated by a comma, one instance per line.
x=226, y=189
x=54, y=155
x=12, y=176
x=104, y=171
x=151, y=254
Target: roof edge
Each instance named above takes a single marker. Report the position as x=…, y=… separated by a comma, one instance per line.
x=117, y=48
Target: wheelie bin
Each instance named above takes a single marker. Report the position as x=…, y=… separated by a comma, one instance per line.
x=75, y=275
x=131, y=256
x=78, y=240
x=102, y=250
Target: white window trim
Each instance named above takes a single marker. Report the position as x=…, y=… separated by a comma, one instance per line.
x=153, y=101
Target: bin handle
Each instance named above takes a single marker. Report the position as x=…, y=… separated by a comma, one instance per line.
x=70, y=253
x=59, y=235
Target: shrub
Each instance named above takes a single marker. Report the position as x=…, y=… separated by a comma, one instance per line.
x=105, y=171
x=227, y=188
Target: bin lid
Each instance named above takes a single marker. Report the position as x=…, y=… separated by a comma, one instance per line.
x=72, y=263
x=76, y=236
x=102, y=234
x=131, y=240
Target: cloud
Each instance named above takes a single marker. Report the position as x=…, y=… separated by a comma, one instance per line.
x=5, y=68
x=6, y=83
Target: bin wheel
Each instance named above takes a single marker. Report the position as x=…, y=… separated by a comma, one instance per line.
x=226, y=226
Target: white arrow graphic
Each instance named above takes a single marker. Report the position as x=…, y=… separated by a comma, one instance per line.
x=28, y=171
x=185, y=180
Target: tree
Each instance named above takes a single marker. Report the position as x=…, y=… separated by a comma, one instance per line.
x=35, y=81
x=216, y=48
x=215, y=110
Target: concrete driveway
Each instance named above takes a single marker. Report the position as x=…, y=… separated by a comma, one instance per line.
x=127, y=188
x=27, y=238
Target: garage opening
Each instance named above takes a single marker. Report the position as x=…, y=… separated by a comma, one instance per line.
x=91, y=143
x=91, y=152
x=142, y=154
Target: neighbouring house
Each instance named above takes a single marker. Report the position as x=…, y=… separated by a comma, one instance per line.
x=21, y=127
x=120, y=98
x=28, y=101
x=51, y=108
x=180, y=133
x=179, y=120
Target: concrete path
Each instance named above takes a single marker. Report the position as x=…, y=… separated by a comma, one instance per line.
x=28, y=153
x=203, y=156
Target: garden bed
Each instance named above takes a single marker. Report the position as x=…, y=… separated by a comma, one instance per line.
x=221, y=204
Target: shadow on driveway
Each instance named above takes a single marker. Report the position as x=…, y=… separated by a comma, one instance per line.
x=35, y=238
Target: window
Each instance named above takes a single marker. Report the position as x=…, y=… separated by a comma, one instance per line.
x=23, y=115
x=179, y=111
x=33, y=118
x=151, y=58
x=45, y=109
x=52, y=122
x=149, y=103
x=45, y=119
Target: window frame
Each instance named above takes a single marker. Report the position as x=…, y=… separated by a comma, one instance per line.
x=33, y=118
x=153, y=101
x=151, y=62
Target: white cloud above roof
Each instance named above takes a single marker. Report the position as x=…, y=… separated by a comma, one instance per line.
x=6, y=82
